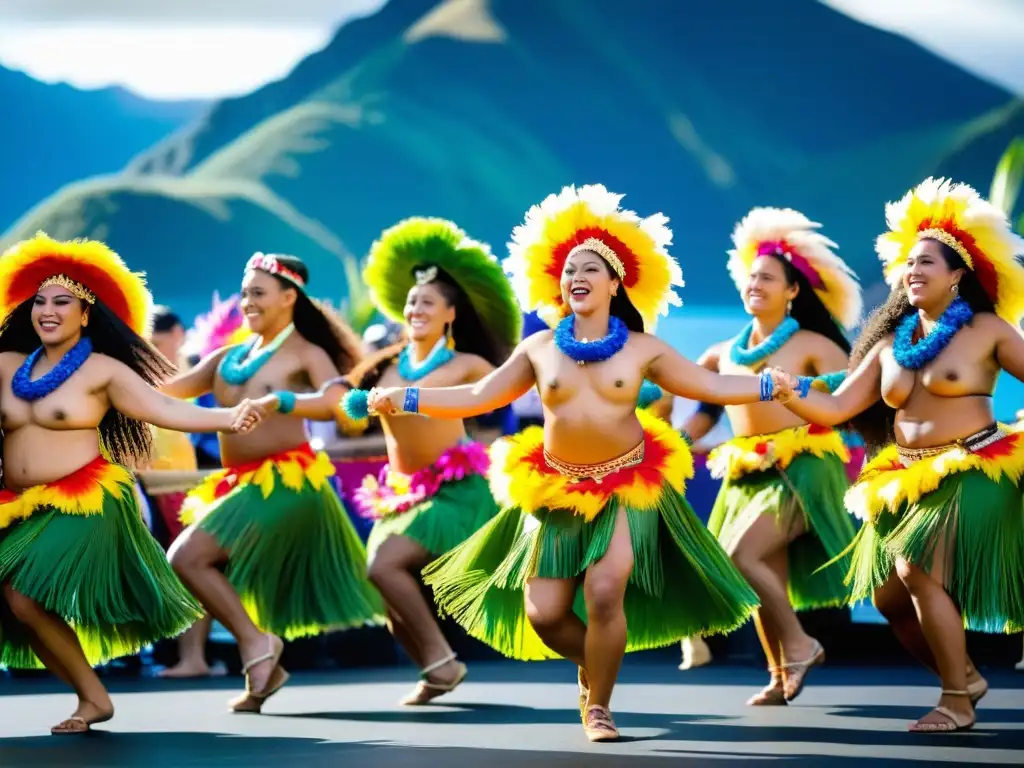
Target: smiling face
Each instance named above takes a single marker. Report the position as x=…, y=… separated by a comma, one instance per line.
x=928, y=278
x=767, y=291
x=587, y=282
x=427, y=311
x=266, y=304
x=57, y=316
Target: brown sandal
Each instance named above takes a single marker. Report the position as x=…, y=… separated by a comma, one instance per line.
x=584, y=686
x=598, y=725
x=955, y=722
x=427, y=691
x=977, y=690
x=773, y=694
x=251, y=702
x=77, y=726
x=800, y=670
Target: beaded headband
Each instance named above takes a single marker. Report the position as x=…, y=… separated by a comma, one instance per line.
x=947, y=239
x=603, y=250
x=268, y=262
x=73, y=287
x=425, y=275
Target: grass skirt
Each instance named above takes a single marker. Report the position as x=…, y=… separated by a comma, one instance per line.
x=799, y=472
x=295, y=558
x=682, y=582
x=969, y=505
x=79, y=548
x=438, y=507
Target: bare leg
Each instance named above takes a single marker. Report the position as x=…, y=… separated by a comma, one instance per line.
x=406, y=639
x=59, y=643
x=773, y=694
x=549, y=609
x=392, y=571
x=194, y=557
x=192, y=652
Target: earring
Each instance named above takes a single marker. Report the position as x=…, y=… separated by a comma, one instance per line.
x=448, y=331
x=789, y=306
x=954, y=287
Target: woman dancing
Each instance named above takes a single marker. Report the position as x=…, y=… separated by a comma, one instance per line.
x=83, y=580
x=943, y=536
x=615, y=559
x=462, y=320
x=294, y=563
x=779, y=513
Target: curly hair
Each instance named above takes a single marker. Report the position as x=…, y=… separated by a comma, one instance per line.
x=877, y=424
x=126, y=441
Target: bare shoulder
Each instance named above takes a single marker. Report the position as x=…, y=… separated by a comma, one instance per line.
x=9, y=361
x=812, y=340
x=991, y=323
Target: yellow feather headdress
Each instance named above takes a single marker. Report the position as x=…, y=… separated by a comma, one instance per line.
x=956, y=215
x=88, y=269
x=790, y=235
x=590, y=218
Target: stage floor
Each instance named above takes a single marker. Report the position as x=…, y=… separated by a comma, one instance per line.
x=510, y=714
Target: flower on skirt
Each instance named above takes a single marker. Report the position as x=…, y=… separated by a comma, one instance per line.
x=391, y=493
x=521, y=477
x=886, y=484
x=80, y=493
x=742, y=455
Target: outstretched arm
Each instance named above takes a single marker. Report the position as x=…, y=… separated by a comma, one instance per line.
x=196, y=381
x=704, y=419
x=495, y=390
x=670, y=370
x=320, y=405
x=859, y=392
x=136, y=399
x=1010, y=351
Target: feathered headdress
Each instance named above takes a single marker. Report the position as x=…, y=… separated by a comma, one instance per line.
x=87, y=269
x=956, y=215
x=223, y=326
x=414, y=249
x=589, y=218
x=792, y=236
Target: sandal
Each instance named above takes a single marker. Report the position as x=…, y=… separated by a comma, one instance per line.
x=427, y=691
x=598, y=725
x=976, y=691
x=251, y=703
x=800, y=670
x=956, y=722
x=773, y=694
x=584, y=686
x=77, y=726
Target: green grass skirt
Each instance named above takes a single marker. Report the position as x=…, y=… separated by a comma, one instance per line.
x=682, y=582
x=102, y=573
x=810, y=486
x=457, y=511
x=980, y=523
x=295, y=558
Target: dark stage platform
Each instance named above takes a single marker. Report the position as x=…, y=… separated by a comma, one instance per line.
x=510, y=714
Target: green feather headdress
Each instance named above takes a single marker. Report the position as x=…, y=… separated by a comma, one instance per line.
x=425, y=242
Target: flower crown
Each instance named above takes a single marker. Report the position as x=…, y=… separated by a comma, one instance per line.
x=979, y=232
x=590, y=218
x=790, y=235
x=268, y=262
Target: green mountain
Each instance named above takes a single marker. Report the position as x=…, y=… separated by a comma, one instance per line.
x=475, y=109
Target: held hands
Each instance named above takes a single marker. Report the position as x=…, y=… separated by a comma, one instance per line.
x=784, y=385
x=246, y=416
x=386, y=401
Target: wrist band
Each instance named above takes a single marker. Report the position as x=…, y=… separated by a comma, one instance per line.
x=412, y=400
x=803, y=386
x=767, y=387
x=285, y=401
x=356, y=404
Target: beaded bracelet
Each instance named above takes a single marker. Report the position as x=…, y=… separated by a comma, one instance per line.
x=285, y=401
x=803, y=386
x=412, y=400
x=767, y=387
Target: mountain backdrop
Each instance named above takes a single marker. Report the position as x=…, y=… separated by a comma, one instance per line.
x=475, y=109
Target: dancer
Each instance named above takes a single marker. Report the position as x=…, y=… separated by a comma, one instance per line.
x=462, y=320
x=83, y=580
x=613, y=558
x=943, y=536
x=779, y=513
x=294, y=564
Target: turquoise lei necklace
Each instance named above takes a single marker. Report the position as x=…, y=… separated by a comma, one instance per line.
x=236, y=368
x=439, y=355
x=741, y=355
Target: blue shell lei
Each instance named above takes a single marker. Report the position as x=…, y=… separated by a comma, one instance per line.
x=650, y=393
x=438, y=357
x=915, y=356
x=26, y=389
x=598, y=351
x=739, y=353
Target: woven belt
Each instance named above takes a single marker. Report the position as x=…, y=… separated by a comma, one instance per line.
x=972, y=444
x=597, y=472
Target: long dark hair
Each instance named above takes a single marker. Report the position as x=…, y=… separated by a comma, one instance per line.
x=472, y=336
x=622, y=307
x=317, y=324
x=808, y=310
x=127, y=441
x=877, y=424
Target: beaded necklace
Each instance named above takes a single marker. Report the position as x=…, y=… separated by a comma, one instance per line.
x=26, y=389
x=440, y=355
x=741, y=355
x=236, y=368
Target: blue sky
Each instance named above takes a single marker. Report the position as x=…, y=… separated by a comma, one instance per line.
x=164, y=49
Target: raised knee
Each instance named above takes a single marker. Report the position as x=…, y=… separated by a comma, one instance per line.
x=911, y=576
x=23, y=607
x=604, y=596
x=544, y=619
x=185, y=559
x=378, y=570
